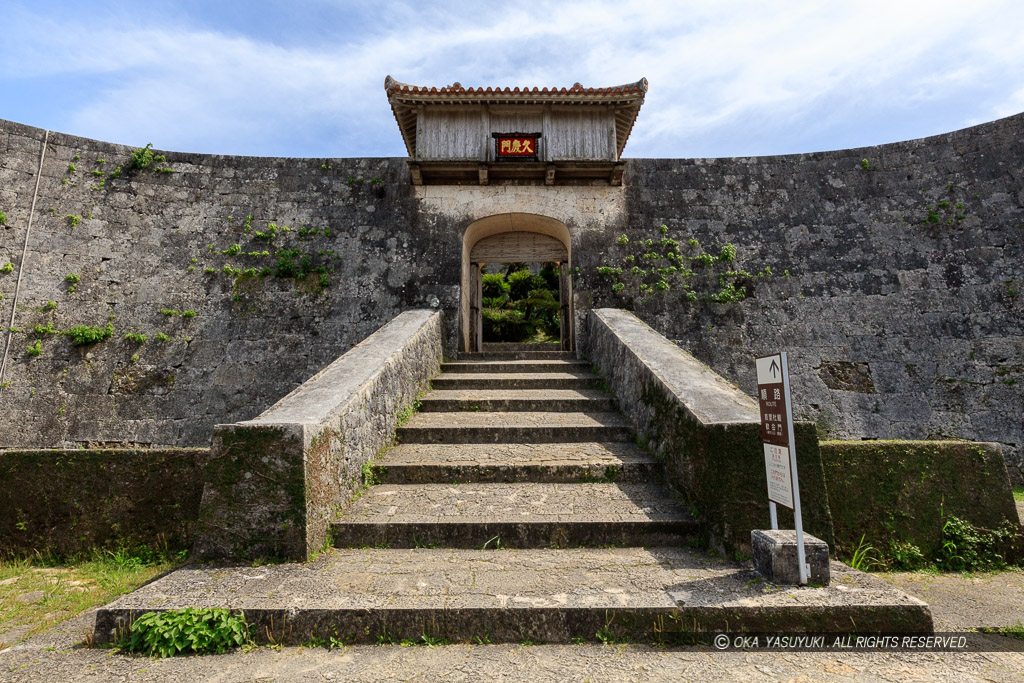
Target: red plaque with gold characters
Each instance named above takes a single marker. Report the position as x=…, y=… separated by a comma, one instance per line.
x=516, y=146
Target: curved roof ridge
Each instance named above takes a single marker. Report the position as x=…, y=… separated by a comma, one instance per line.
x=394, y=86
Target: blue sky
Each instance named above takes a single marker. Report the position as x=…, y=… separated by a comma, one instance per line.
x=305, y=77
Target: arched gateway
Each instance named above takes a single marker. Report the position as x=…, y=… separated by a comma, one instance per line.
x=512, y=237
x=493, y=138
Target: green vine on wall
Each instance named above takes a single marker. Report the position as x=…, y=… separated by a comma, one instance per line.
x=655, y=265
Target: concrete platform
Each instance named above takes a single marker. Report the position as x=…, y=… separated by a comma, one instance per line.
x=507, y=462
x=517, y=515
x=645, y=595
x=517, y=380
x=514, y=427
x=530, y=400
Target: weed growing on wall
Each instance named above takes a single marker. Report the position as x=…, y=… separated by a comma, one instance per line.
x=72, y=280
x=643, y=268
x=143, y=157
x=947, y=209
x=7, y=268
x=310, y=271
x=48, y=328
x=80, y=335
x=965, y=548
x=3, y=219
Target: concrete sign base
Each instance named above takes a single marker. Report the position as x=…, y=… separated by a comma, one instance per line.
x=775, y=557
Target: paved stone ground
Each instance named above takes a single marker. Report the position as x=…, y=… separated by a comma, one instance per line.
x=55, y=656
x=58, y=655
x=967, y=601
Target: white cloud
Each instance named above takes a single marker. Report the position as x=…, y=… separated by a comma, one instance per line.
x=718, y=70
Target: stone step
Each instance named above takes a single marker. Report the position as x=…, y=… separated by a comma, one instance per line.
x=520, y=515
x=507, y=366
x=517, y=380
x=521, y=427
x=503, y=400
x=505, y=347
x=549, y=462
x=656, y=595
x=518, y=355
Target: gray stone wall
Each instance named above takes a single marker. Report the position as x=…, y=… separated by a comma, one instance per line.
x=142, y=243
x=901, y=311
x=896, y=285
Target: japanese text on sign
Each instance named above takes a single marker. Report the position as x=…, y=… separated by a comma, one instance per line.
x=771, y=398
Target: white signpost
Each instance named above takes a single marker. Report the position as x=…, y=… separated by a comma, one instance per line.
x=780, y=445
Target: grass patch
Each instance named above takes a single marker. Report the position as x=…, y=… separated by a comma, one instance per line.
x=1018, y=494
x=39, y=592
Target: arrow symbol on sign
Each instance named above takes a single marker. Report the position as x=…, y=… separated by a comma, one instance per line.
x=774, y=368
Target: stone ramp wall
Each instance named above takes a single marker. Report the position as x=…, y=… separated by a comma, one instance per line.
x=902, y=492
x=70, y=502
x=272, y=484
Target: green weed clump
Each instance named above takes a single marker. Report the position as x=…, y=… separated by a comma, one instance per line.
x=80, y=335
x=197, y=630
x=72, y=280
x=143, y=157
x=967, y=548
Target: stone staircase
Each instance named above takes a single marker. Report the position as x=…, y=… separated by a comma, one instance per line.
x=515, y=449
x=516, y=508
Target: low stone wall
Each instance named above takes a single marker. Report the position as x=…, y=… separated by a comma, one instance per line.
x=894, y=492
x=273, y=483
x=705, y=430
x=68, y=502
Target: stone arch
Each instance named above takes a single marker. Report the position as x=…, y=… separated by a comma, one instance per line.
x=512, y=237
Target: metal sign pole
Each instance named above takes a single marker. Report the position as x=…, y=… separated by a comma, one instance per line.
x=801, y=557
x=774, y=515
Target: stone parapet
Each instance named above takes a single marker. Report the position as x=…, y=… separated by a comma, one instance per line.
x=705, y=430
